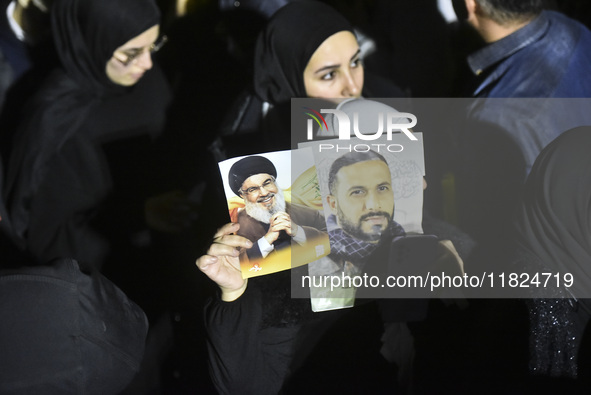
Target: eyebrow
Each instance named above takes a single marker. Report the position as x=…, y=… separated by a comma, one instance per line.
x=136, y=49
x=385, y=183
x=264, y=182
x=132, y=49
x=335, y=66
x=356, y=187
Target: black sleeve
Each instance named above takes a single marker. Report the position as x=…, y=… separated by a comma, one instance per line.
x=245, y=358
x=65, y=332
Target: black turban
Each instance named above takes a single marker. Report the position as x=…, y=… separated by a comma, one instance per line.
x=247, y=167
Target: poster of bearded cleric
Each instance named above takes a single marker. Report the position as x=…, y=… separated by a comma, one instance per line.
x=282, y=218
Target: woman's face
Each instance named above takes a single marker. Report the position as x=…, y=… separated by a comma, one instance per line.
x=335, y=69
x=131, y=60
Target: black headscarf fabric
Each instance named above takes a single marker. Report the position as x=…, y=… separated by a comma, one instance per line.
x=86, y=33
x=286, y=45
x=64, y=332
x=554, y=223
x=76, y=107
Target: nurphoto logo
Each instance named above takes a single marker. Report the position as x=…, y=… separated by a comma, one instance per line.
x=393, y=121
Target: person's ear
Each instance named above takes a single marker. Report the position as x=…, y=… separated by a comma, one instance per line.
x=472, y=8
x=332, y=203
x=461, y=9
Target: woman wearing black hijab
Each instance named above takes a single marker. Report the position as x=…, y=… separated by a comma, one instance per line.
x=554, y=236
x=307, y=49
x=105, y=90
x=287, y=44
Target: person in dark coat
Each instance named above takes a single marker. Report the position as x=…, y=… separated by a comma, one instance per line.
x=24, y=35
x=66, y=332
x=554, y=239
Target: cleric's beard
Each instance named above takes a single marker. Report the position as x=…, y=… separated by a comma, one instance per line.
x=263, y=214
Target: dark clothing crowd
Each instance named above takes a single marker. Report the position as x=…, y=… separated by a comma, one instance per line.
x=114, y=115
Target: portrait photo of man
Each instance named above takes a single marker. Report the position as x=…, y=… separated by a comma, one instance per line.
x=359, y=209
x=359, y=189
x=361, y=202
x=267, y=219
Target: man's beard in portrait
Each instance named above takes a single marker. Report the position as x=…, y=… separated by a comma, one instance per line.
x=355, y=229
x=264, y=214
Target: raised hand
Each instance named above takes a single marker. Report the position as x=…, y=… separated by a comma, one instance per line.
x=221, y=263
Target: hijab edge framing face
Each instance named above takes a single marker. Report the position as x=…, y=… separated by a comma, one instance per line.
x=88, y=32
x=286, y=45
x=335, y=70
x=124, y=74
